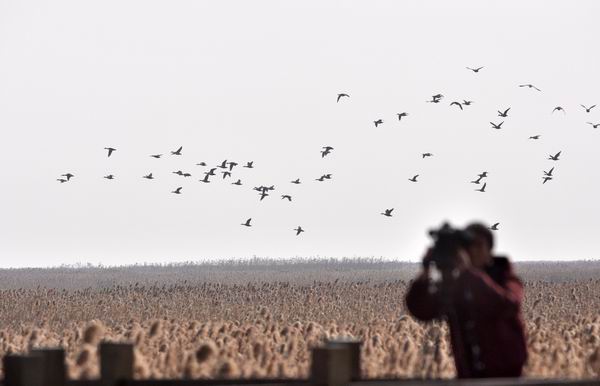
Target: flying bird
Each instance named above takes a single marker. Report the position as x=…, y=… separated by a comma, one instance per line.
x=482, y=189
x=378, y=122
x=457, y=104
x=232, y=165
x=546, y=179
x=555, y=156
x=558, y=108
x=426, y=155
x=497, y=126
x=286, y=197
x=467, y=103
x=594, y=125
x=238, y=182
x=388, y=212
x=326, y=151
x=179, y=172
x=205, y=179
x=482, y=174
x=156, y=155
x=211, y=172
x=474, y=69
x=68, y=175
x=436, y=98
x=226, y=174
x=223, y=165
x=401, y=115
x=529, y=86
x=299, y=230
x=61, y=180
x=477, y=181
x=110, y=177
x=177, y=191
x=342, y=95
x=588, y=109
x=263, y=194
x=537, y=136
x=148, y=176
x=504, y=113
x=296, y=181
x=247, y=223
x=549, y=172
x=178, y=151
x=414, y=178
x=201, y=164
x=495, y=226
x=110, y=150
x=249, y=165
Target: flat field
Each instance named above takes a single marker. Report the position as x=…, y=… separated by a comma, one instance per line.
x=260, y=318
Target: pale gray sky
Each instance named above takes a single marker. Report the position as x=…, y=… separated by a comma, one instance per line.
x=257, y=80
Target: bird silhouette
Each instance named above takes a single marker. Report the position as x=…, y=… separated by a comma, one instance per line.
x=156, y=155
x=249, y=165
x=238, y=182
x=110, y=150
x=232, y=165
x=298, y=230
x=223, y=165
x=474, y=69
x=482, y=174
x=327, y=176
x=529, y=86
x=477, y=181
x=594, y=125
x=497, y=126
x=263, y=194
x=401, y=115
x=546, y=179
x=588, y=109
x=321, y=179
x=494, y=227
x=211, y=172
x=555, y=156
x=296, y=181
x=558, y=108
x=537, y=136
x=436, y=98
x=179, y=172
x=426, y=155
x=226, y=174
x=326, y=150
x=186, y=175
x=110, y=177
x=201, y=164
x=205, y=179
x=414, y=178
x=68, y=175
x=378, y=122
x=61, y=180
x=286, y=197
x=148, y=176
x=467, y=103
x=457, y=104
x=388, y=212
x=247, y=223
x=549, y=172
x=504, y=113
x=482, y=189
x=177, y=191
x=178, y=151
x=340, y=96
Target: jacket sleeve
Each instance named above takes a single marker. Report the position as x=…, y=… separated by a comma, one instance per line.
x=421, y=302
x=490, y=298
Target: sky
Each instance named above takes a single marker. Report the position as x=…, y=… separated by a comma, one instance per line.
x=258, y=81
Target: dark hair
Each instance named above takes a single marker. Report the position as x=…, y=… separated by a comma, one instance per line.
x=480, y=230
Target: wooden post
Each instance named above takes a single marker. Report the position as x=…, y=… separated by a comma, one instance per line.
x=54, y=369
x=353, y=346
x=116, y=363
x=23, y=370
x=331, y=366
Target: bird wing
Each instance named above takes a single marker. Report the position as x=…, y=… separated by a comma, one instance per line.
x=535, y=88
x=592, y=106
x=178, y=150
x=506, y=111
x=479, y=68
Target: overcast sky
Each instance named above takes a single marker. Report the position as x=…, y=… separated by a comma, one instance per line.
x=257, y=81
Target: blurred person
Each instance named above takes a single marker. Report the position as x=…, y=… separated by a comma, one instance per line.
x=480, y=297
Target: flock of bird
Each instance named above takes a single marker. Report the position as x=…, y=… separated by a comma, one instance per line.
x=226, y=167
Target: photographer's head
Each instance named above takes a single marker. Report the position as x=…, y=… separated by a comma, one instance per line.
x=480, y=246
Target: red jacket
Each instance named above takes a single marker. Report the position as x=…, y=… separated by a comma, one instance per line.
x=483, y=309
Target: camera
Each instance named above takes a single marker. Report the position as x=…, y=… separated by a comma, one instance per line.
x=447, y=241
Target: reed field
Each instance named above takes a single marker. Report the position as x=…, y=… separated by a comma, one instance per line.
x=261, y=318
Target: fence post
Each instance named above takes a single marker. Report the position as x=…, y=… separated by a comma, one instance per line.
x=331, y=366
x=54, y=370
x=23, y=370
x=353, y=346
x=116, y=363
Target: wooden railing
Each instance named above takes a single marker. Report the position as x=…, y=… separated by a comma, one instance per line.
x=335, y=364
